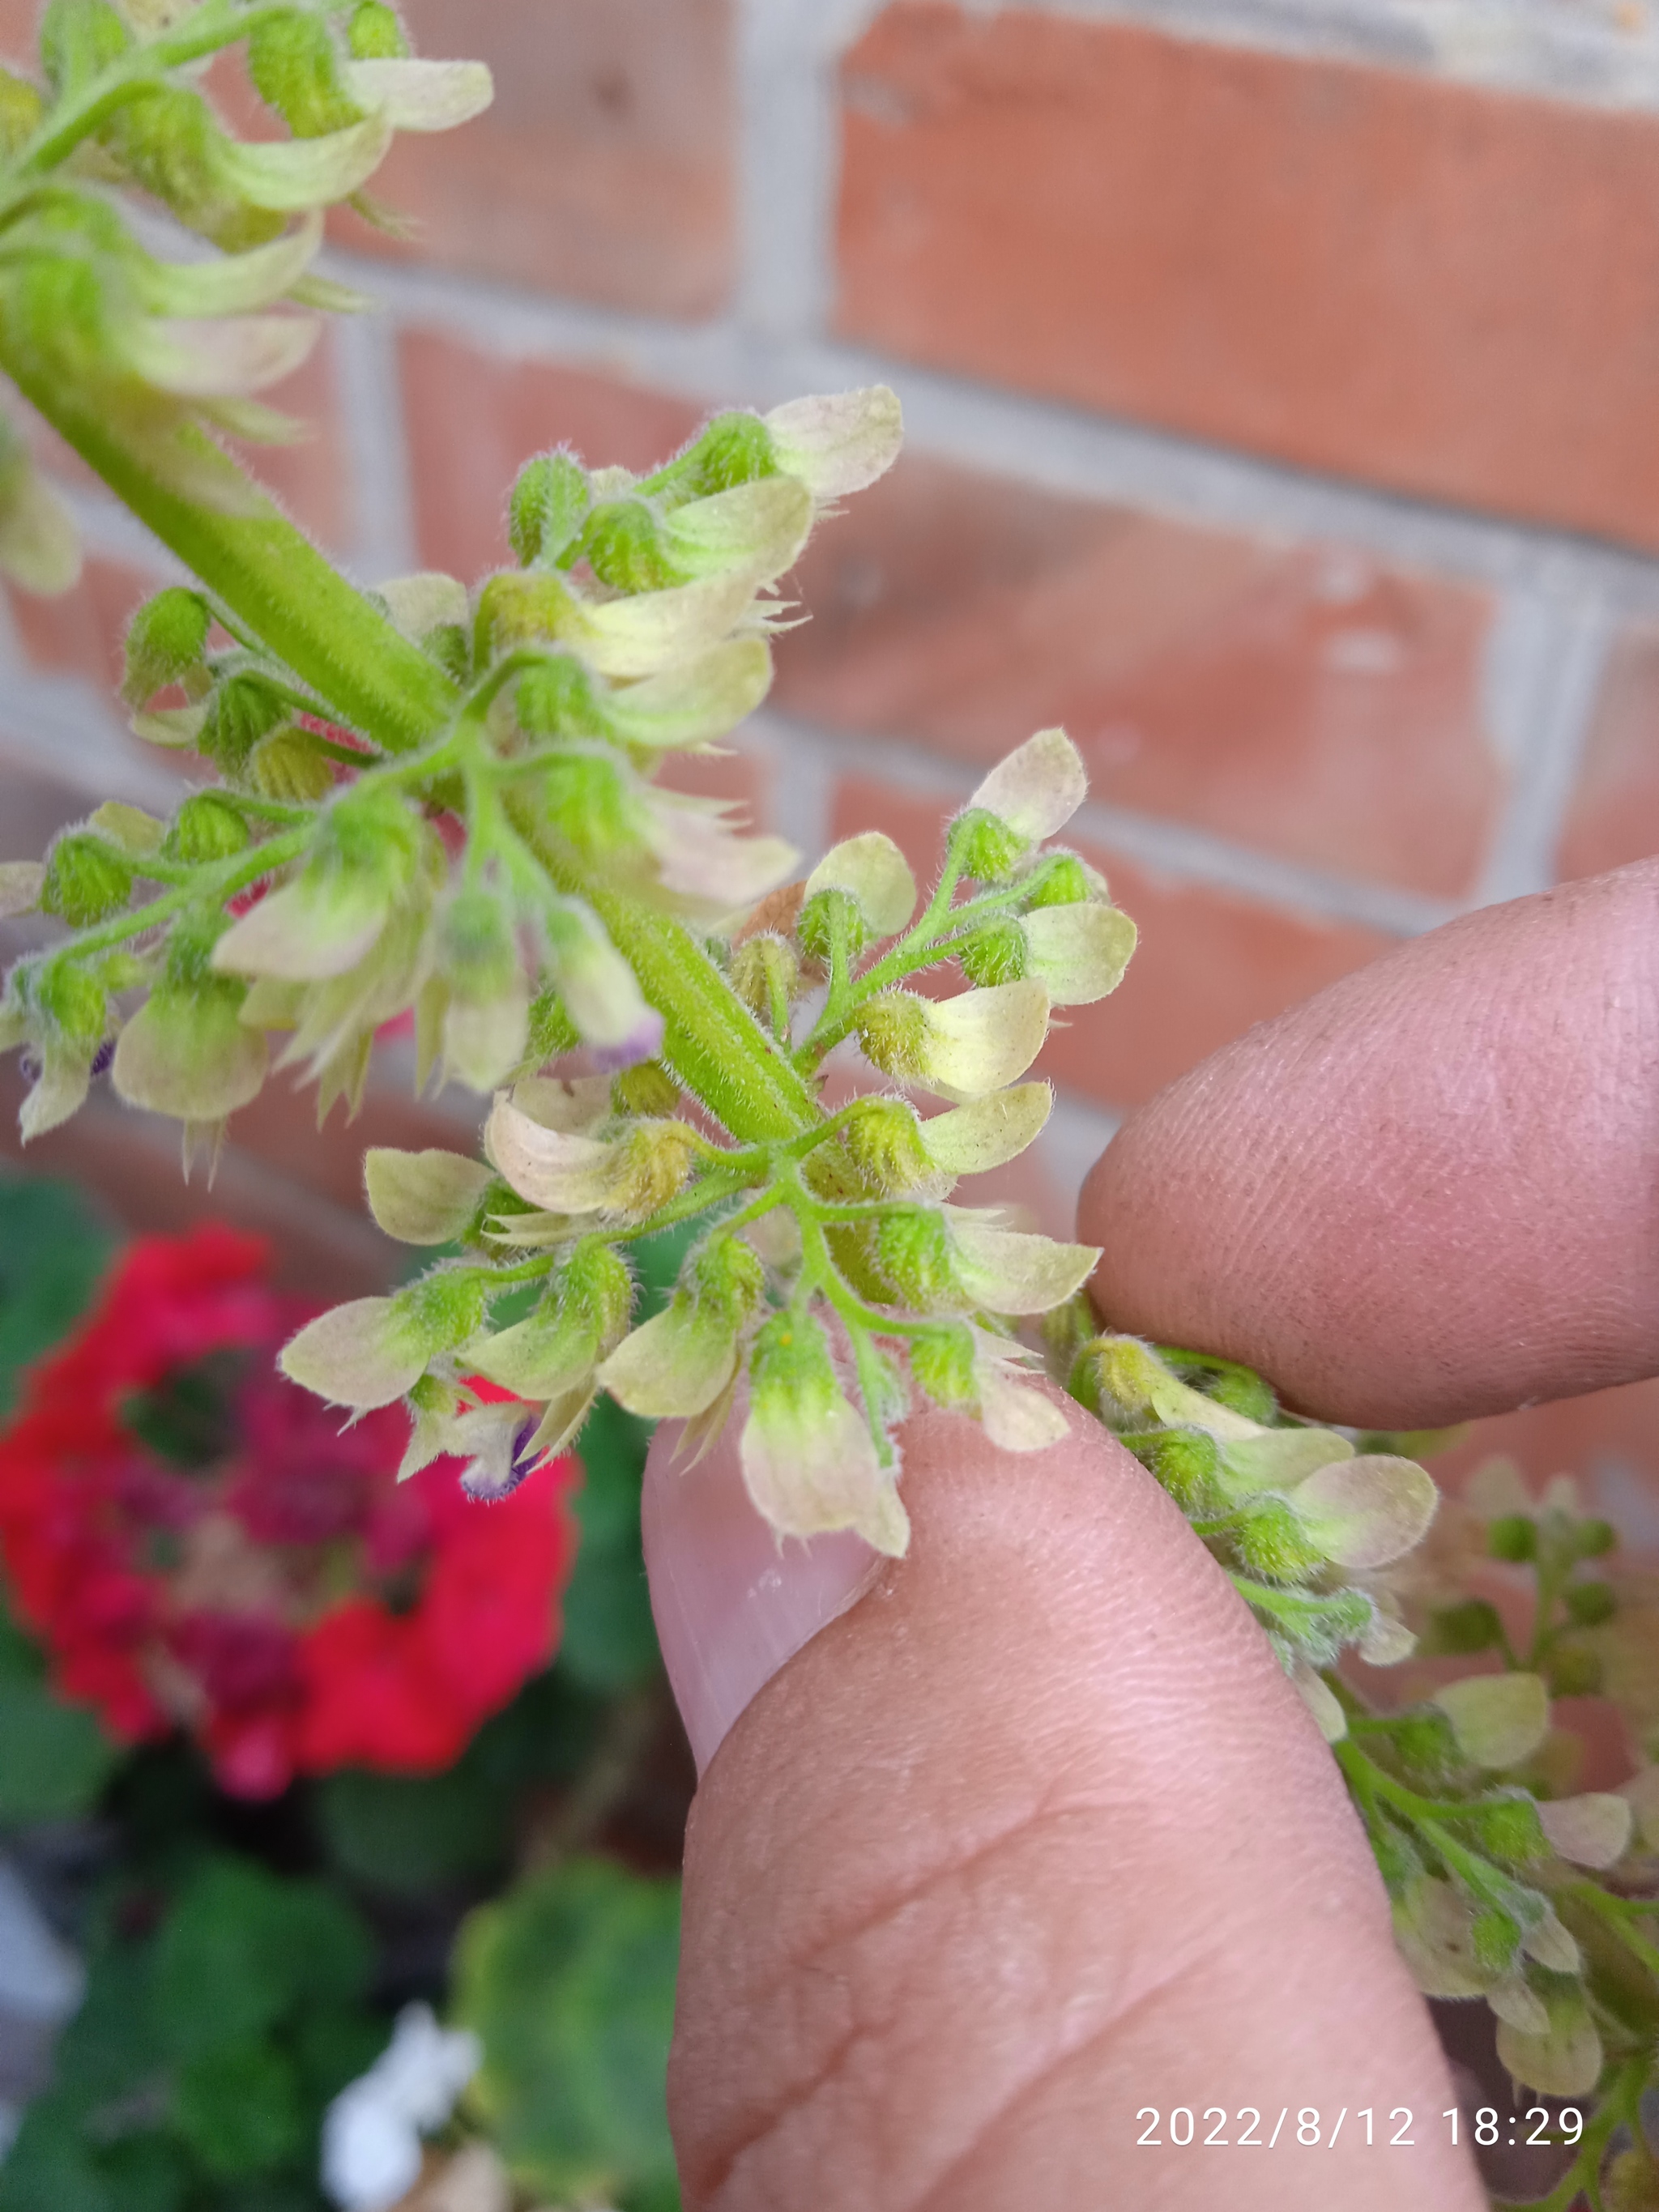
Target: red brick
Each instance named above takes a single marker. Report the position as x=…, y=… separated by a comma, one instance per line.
x=80, y=633
x=1210, y=964
x=604, y=167
x=474, y=419
x=1302, y=700
x=18, y=45
x=1438, y=287
x=1614, y=817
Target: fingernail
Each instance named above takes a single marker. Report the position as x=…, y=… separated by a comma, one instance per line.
x=732, y=1604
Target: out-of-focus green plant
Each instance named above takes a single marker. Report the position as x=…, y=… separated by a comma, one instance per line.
x=195, y=2076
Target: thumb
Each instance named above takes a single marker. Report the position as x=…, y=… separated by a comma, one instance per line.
x=1029, y=1844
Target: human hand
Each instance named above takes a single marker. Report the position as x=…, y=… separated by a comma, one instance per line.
x=1033, y=1833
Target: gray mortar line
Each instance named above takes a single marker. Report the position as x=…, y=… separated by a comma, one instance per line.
x=1044, y=444
x=1544, y=47
x=372, y=412
x=1546, y=662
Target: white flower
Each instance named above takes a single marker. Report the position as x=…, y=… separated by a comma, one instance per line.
x=372, y=2131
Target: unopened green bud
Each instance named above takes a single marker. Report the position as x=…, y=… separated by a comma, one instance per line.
x=294, y=67
x=994, y=954
x=1509, y=1828
x=549, y=503
x=87, y=881
x=1427, y=1748
x=446, y=1308
x=765, y=974
x=243, y=709
x=555, y=699
x=830, y=914
x=1062, y=881
x=588, y=804
x=21, y=109
x=1573, y=1672
x=648, y=1089
x=450, y=645
x=1495, y=1938
x=289, y=766
x=1271, y=1541
x=884, y=1143
x=73, y=1001
x=943, y=1363
x=1456, y=1630
x=79, y=40
x=206, y=828
x=913, y=1253
x=521, y=607
x=375, y=34
x=1514, y=1537
x=1185, y=1460
x=1225, y=1383
x=735, y=449
x=729, y=1275
x=987, y=850
x=600, y=1282
x=1593, y=1539
x=623, y=545
x=1589, y=1604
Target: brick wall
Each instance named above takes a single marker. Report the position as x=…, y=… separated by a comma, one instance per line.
x=1282, y=378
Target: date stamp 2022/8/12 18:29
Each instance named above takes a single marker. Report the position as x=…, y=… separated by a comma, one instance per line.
x=1210, y=2126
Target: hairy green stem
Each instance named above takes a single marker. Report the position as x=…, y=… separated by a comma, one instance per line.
x=266, y=571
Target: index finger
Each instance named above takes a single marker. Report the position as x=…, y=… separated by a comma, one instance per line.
x=1429, y=1193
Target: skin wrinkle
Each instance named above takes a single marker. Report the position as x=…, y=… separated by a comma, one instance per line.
x=1144, y=1986
x=1055, y=2063
x=1012, y=1665
x=1479, y=1110
x=1300, y=1193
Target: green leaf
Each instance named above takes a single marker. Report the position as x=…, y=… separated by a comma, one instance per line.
x=569, y=1982
x=237, y=2107
x=410, y=1833
x=54, y=1761
x=242, y=1951
x=52, y=1251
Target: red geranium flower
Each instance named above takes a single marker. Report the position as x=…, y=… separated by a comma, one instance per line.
x=200, y=1543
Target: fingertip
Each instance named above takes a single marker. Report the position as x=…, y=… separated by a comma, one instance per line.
x=732, y=1602
x=1429, y=1193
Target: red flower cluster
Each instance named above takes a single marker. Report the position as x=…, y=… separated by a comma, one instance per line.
x=199, y=1542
